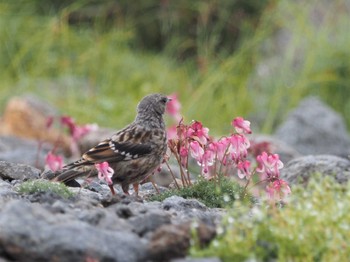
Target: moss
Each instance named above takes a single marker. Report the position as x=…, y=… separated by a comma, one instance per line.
x=35, y=186
x=213, y=194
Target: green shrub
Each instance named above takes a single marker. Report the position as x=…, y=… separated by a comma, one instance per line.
x=35, y=186
x=313, y=226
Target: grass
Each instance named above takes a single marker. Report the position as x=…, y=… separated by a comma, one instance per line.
x=313, y=226
x=71, y=66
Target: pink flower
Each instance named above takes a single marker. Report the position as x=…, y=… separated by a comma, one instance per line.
x=239, y=147
x=197, y=132
x=269, y=165
x=183, y=151
x=80, y=131
x=197, y=151
x=183, y=155
x=241, y=126
x=105, y=172
x=278, y=189
x=76, y=131
x=207, y=160
x=220, y=149
x=68, y=122
x=54, y=162
x=173, y=107
x=244, y=169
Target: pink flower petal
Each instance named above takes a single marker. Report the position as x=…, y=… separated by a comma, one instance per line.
x=54, y=162
x=241, y=126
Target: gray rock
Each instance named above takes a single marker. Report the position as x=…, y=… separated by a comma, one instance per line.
x=315, y=128
x=6, y=191
x=189, y=259
x=13, y=171
x=44, y=226
x=190, y=209
x=103, y=219
x=169, y=242
x=149, y=222
x=30, y=233
x=173, y=241
x=180, y=204
x=301, y=169
x=22, y=151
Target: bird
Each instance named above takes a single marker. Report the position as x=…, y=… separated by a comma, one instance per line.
x=133, y=152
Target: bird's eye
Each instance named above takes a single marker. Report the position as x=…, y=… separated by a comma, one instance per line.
x=164, y=100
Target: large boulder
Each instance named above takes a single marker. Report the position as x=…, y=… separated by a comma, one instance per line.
x=314, y=128
x=301, y=169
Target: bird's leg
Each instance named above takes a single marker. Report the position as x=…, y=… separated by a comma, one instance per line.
x=151, y=179
x=155, y=186
x=112, y=189
x=125, y=189
x=136, y=188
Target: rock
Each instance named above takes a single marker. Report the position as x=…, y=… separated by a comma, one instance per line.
x=23, y=151
x=6, y=192
x=314, y=128
x=30, y=233
x=168, y=242
x=27, y=116
x=209, y=259
x=190, y=209
x=173, y=241
x=12, y=171
x=101, y=218
x=94, y=225
x=301, y=169
x=149, y=222
x=180, y=204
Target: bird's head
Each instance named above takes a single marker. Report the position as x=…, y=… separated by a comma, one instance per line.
x=153, y=103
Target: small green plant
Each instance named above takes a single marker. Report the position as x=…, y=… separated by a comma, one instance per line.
x=221, y=193
x=35, y=186
x=313, y=226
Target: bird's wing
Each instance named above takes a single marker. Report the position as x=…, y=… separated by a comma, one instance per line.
x=127, y=144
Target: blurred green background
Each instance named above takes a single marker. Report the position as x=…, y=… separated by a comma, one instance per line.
x=94, y=60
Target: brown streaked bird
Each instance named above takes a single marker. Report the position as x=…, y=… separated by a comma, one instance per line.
x=134, y=152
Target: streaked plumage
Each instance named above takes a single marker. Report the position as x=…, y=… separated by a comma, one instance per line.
x=133, y=152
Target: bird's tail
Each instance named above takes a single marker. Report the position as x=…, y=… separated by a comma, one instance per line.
x=69, y=174
x=66, y=176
